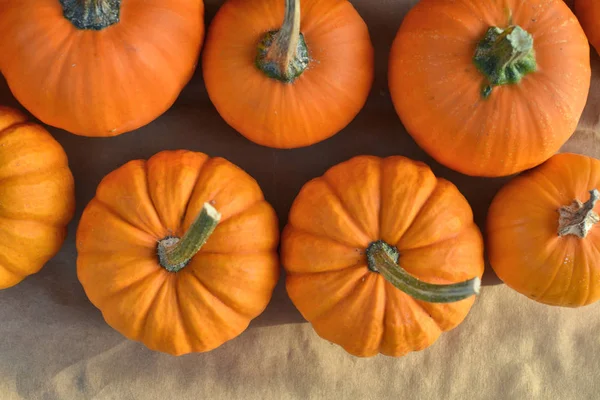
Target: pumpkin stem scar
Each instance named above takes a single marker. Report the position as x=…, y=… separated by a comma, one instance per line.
x=383, y=258
x=92, y=14
x=283, y=54
x=504, y=56
x=578, y=218
x=175, y=253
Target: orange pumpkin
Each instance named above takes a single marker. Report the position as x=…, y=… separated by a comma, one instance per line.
x=37, y=197
x=178, y=252
x=541, y=232
x=377, y=252
x=292, y=84
x=490, y=88
x=99, y=67
x=588, y=12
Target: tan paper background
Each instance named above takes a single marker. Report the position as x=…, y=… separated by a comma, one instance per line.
x=55, y=345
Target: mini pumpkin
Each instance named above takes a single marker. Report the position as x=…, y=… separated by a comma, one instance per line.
x=178, y=252
x=382, y=256
x=292, y=84
x=37, y=197
x=542, y=235
x=99, y=67
x=490, y=88
x=588, y=12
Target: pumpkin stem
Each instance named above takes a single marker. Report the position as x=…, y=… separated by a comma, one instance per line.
x=175, y=253
x=504, y=56
x=383, y=258
x=578, y=218
x=92, y=14
x=283, y=54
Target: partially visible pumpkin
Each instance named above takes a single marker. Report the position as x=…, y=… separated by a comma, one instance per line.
x=178, y=252
x=99, y=67
x=382, y=256
x=490, y=88
x=541, y=232
x=588, y=12
x=292, y=84
x=37, y=197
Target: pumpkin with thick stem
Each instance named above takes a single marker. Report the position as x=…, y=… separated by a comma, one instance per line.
x=382, y=256
x=588, y=12
x=542, y=232
x=178, y=252
x=37, y=197
x=286, y=74
x=490, y=88
x=99, y=67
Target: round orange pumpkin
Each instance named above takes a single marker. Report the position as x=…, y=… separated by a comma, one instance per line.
x=178, y=252
x=541, y=232
x=289, y=84
x=588, y=12
x=490, y=88
x=99, y=67
x=37, y=197
x=377, y=252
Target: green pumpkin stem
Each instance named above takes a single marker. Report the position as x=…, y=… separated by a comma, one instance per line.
x=504, y=56
x=92, y=14
x=283, y=54
x=383, y=258
x=578, y=218
x=175, y=253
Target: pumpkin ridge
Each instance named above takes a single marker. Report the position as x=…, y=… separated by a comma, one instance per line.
x=182, y=316
x=420, y=306
x=589, y=274
x=305, y=231
x=358, y=265
x=142, y=331
x=552, y=279
x=109, y=210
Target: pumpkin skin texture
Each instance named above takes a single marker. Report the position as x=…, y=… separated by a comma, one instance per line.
x=211, y=299
x=37, y=197
x=525, y=249
x=457, y=115
x=99, y=81
x=588, y=12
x=320, y=102
x=336, y=217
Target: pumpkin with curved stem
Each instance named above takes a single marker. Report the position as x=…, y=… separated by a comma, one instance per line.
x=382, y=256
x=37, y=197
x=178, y=252
x=542, y=235
x=289, y=84
x=588, y=12
x=490, y=88
x=99, y=67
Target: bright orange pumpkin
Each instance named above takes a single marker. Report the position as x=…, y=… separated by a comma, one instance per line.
x=178, y=252
x=541, y=232
x=37, y=197
x=588, y=12
x=490, y=88
x=292, y=84
x=353, y=237
x=99, y=67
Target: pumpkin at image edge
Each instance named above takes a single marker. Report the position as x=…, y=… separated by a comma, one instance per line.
x=178, y=252
x=588, y=13
x=99, y=67
x=285, y=74
x=382, y=256
x=490, y=88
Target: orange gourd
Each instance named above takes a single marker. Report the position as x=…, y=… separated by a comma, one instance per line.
x=99, y=67
x=588, y=12
x=490, y=88
x=292, y=84
x=37, y=197
x=541, y=232
x=178, y=252
x=377, y=252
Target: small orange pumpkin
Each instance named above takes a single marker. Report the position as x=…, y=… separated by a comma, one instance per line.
x=588, y=12
x=37, y=197
x=377, y=252
x=490, y=88
x=541, y=232
x=178, y=252
x=99, y=67
x=288, y=85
